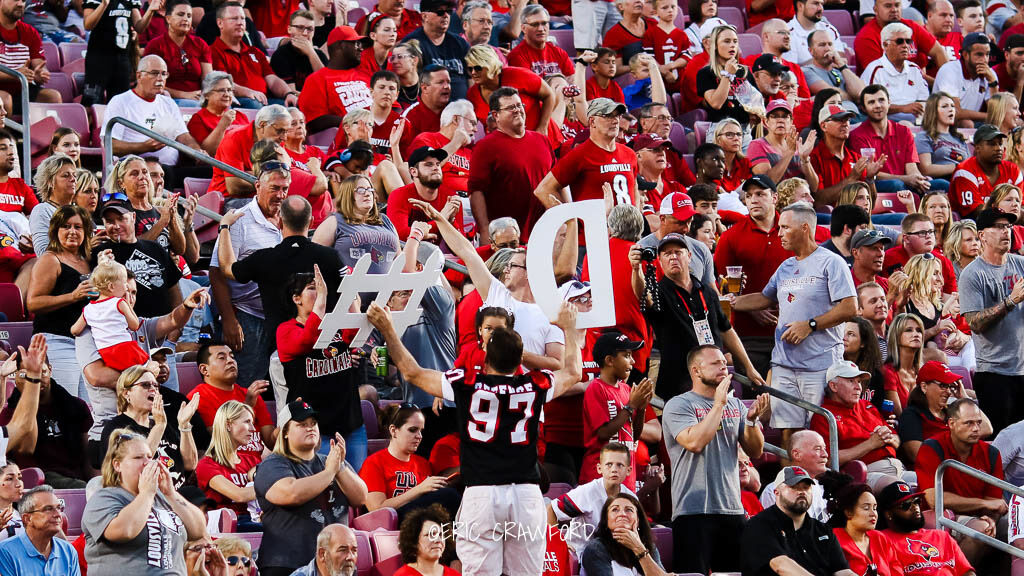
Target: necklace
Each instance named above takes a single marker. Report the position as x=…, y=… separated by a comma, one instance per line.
x=411, y=93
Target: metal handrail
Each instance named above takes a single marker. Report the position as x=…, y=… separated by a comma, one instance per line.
x=940, y=516
x=26, y=125
x=833, y=431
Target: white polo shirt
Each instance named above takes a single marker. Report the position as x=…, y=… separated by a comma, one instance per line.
x=799, y=51
x=904, y=86
x=950, y=79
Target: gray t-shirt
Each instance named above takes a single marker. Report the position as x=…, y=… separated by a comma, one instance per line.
x=431, y=340
x=104, y=400
x=1010, y=443
x=945, y=150
x=39, y=226
x=157, y=550
x=815, y=73
x=807, y=289
x=702, y=264
x=982, y=286
x=708, y=482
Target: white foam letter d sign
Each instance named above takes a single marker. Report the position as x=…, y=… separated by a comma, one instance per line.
x=540, y=268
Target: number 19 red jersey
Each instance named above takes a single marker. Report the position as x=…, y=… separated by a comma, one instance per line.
x=498, y=418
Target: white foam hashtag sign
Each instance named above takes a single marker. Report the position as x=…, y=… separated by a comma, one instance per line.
x=384, y=285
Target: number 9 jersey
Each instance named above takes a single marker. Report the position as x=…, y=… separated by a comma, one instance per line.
x=113, y=31
x=498, y=419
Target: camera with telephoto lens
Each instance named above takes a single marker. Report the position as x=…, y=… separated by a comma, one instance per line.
x=648, y=254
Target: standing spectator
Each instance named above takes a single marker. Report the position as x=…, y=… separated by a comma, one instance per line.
x=405, y=62
x=187, y=56
x=301, y=491
x=254, y=79
x=536, y=52
x=807, y=449
x=626, y=35
x=488, y=75
x=119, y=538
x=406, y=19
x=108, y=60
x=919, y=238
x=834, y=158
x=602, y=62
x=651, y=158
x=339, y=87
x=668, y=44
x=1009, y=446
x=970, y=79
x=939, y=21
x=816, y=297
x=40, y=549
x=211, y=123
x=297, y=57
x=936, y=206
x=209, y=31
x=863, y=434
x=23, y=52
x=703, y=429
x=1008, y=71
x=240, y=304
x=440, y=46
x=854, y=518
x=427, y=177
x=875, y=309
x=226, y=471
x=905, y=345
x=896, y=71
x=940, y=147
x=977, y=176
x=807, y=20
x=623, y=542
x=891, y=141
x=847, y=219
x=357, y=227
x=962, y=245
x=860, y=346
x=506, y=164
x=870, y=42
x=989, y=304
x=900, y=508
x=272, y=123
x=458, y=125
x=868, y=254
x=675, y=215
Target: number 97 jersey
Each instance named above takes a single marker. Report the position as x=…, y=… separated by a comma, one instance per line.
x=498, y=418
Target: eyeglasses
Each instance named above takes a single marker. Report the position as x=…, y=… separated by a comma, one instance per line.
x=47, y=509
x=156, y=73
x=234, y=560
x=922, y=234
x=364, y=190
x=732, y=134
x=197, y=548
x=908, y=504
x=513, y=108
x=900, y=41
x=396, y=57
x=511, y=244
x=147, y=385
x=114, y=196
x=582, y=299
x=517, y=266
x=305, y=29
x=1001, y=226
x=481, y=21
x=942, y=385
x=539, y=24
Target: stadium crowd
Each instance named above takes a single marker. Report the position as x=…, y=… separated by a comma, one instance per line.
x=816, y=259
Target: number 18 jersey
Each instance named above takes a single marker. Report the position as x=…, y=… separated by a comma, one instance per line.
x=498, y=417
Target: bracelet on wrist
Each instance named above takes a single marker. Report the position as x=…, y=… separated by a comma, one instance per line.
x=185, y=428
x=641, y=555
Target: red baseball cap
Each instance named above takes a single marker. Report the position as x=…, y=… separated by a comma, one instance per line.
x=347, y=34
x=933, y=370
x=678, y=206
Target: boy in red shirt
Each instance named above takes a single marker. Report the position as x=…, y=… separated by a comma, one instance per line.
x=668, y=43
x=602, y=84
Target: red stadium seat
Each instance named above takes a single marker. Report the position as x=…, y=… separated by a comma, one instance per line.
x=963, y=373
x=563, y=39
x=16, y=333
x=857, y=469
x=98, y=113
x=253, y=538
x=690, y=118
x=364, y=561
x=663, y=540
x=322, y=138
x=188, y=377
x=355, y=14
x=749, y=44
x=228, y=522
x=74, y=506
x=734, y=16
x=384, y=544
x=701, y=131
x=556, y=489
x=52, y=55
x=370, y=419
x=376, y=445
x=380, y=519
x=689, y=162
x=70, y=51
x=196, y=186
x=387, y=567
x=32, y=477
x=843, y=21
x=76, y=66
x=69, y=115
x=677, y=135
x=204, y=226
x=889, y=203
x=11, y=302
x=62, y=83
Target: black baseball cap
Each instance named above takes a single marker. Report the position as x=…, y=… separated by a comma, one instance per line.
x=611, y=342
x=895, y=493
x=987, y=132
x=423, y=152
x=988, y=218
x=300, y=410
x=117, y=204
x=759, y=180
x=437, y=6
x=769, y=64
x=1014, y=41
x=972, y=39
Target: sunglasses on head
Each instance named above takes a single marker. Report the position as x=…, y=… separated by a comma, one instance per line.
x=114, y=196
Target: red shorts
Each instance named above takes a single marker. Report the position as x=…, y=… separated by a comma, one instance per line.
x=124, y=355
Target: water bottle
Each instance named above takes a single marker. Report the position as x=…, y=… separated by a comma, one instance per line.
x=888, y=408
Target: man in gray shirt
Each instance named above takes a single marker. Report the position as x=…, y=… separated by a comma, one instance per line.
x=991, y=288
x=675, y=213
x=828, y=69
x=703, y=429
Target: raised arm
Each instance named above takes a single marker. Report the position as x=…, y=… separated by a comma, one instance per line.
x=226, y=252
x=23, y=430
x=461, y=247
x=572, y=361
x=425, y=379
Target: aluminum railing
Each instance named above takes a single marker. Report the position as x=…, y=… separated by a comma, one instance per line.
x=25, y=127
x=833, y=433
x=943, y=522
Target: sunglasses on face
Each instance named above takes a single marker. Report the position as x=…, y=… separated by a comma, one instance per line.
x=235, y=560
x=908, y=504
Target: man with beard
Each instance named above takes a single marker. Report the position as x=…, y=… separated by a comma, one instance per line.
x=775, y=43
x=970, y=80
x=330, y=92
x=921, y=551
x=807, y=450
x=874, y=307
x=425, y=168
x=810, y=16
x=977, y=176
x=785, y=540
x=336, y=553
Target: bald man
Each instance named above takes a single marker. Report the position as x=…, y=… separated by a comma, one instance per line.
x=336, y=553
x=775, y=40
x=807, y=450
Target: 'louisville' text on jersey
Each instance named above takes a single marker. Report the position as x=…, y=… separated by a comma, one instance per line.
x=616, y=168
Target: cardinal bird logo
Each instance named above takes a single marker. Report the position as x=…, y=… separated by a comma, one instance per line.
x=791, y=297
x=922, y=549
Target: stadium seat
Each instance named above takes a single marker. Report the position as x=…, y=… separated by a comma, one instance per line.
x=188, y=377
x=74, y=506
x=556, y=489
x=370, y=419
x=563, y=39
x=376, y=445
x=384, y=544
x=733, y=16
x=889, y=203
x=187, y=112
x=354, y=14
x=52, y=55
x=689, y=162
x=322, y=138
x=387, y=567
x=16, y=333
x=749, y=44
x=250, y=114
x=32, y=477
x=62, y=83
x=364, y=561
x=842, y=20
x=11, y=302
x=273, y=43
x=677, y=135
x=700, y=129
x=382, y=518
x=98, y=113
x=663, y=540
x=69, y=114
x=70, y=51
x=690, y=118
x=205, y=226
x=228, y=522
x=624, y=80
x=963, y=373
x=272, y=408
x=196, y=186
x=857, y=469
x=42, y=132
x=74, y=67
x=254, y=539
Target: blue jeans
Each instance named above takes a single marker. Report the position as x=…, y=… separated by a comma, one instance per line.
x=940, y=184
x=355, y=447
x=254, y=358
x=187, y=102
x=61, y=354
x=249, y=103
x=889, y=185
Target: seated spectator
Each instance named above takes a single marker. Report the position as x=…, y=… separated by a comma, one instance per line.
x=440, y=45
x=669, y=45
x=458, y=125
x=339, y=87
x=12, y=489
x=925, y=415
x=384, y=34
x=295, y=143
x=977, y=176
x=397, y=477
x=905, y=344
x=963, y=494
x=362, y=158
x=919, y=239
x=133, y=481
x=477, y=20
x=405, y=62
x=699, y=13
x=897, y=72
x=918, y=293
x=68, y=142
x=25, y=55
x=703, y=230
x=87, y=193
x=867, y=249
x=863, y=434
x=536, y=52
x=834, y=158
x=962, y=245
x=202, y=555
x=728, y=134
x=254, y=79
x=969, y=80
x=17, y=200
x=187, y=56
x=237, y=553
x=272, y=123
x=297, y=57
x=870, y=43
x=622, y=542
x=434, y=89
x=140, y=409
x=291, y=518
x=42, y=546
x=55, y=182
x=807, y=450
x=1003, y=112
x=336, y=553
x=940, y=147
x=935, y=205
x=719, y=91
x=874, y=308
x=406, y=19
x=860, y=346
x=209, y=31
x=418, y=541
x=130, y=177
x=899, y=509
x=750, y=483
x=881, y=138
x=772, y=543
x=853, y=520
x=847, y=220
x=603, y=64
x=425, y=168
x=828, y=67
x=211, y=123
x=357, y=227
x=651, y=159
x=226, y=471
x=306, y=179
x=781, y=154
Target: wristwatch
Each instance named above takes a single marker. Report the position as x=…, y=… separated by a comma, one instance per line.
x=813, y=324
x=223, y=227
x=24, y=376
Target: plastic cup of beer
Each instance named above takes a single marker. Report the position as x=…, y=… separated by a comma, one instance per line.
x=868, y=153
x=733, y=279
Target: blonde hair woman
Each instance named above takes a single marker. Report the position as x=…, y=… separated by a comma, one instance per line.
x=237, y=553
x=358, y=227
x=87, y=190
x=718, y=81
x=962, y=245
x=728, y=134
x=906, y=343
x=793, y=190
x=55, y=183
x=357, y=126
x=130, y=178
x=488, y=75
x=1003, y=112
x=935, y=205
x=1015, y=147
x=121, y=535
x=922, y=289
x=226, y=472
x=140, y=408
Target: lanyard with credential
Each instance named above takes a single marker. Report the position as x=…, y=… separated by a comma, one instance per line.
x=703, y=303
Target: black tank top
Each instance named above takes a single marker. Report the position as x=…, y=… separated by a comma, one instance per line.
x=59, y=321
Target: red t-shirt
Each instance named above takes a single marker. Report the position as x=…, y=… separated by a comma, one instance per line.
x=781, y=9
x=983, y=457
x=892, y=383
x=234, y=151
x=271, y=18
x=465, y=318
x=883, y=555
x=970, y=187
x=528, y=84
x=445, y=453
x=897, y=144
x=668, y=46
x=211, y=398
x=368, y=63
x=185, y=62
x=618, y=37
x=17, y=47
x=421, y=118
x=16, y=196
x=928, y=553
x=613, y=91
x=760, y=253
x=549, y=60
x=588, y=167
x=402, y=214
x=334, y=93
x=410, y=21
x=506, y=171
x=1005, y=79
x=384, y=473
x=203, y=123
x=751, y=504
x=408, y=570
x=854, y=425
x=248, y=68
x=733, y=180
x=897, y=257
x=601, y=403
x=868, y=44
x=455, y=168
x=952, y=43
x=562, y=423
x=208, y=469
x=830, y=168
